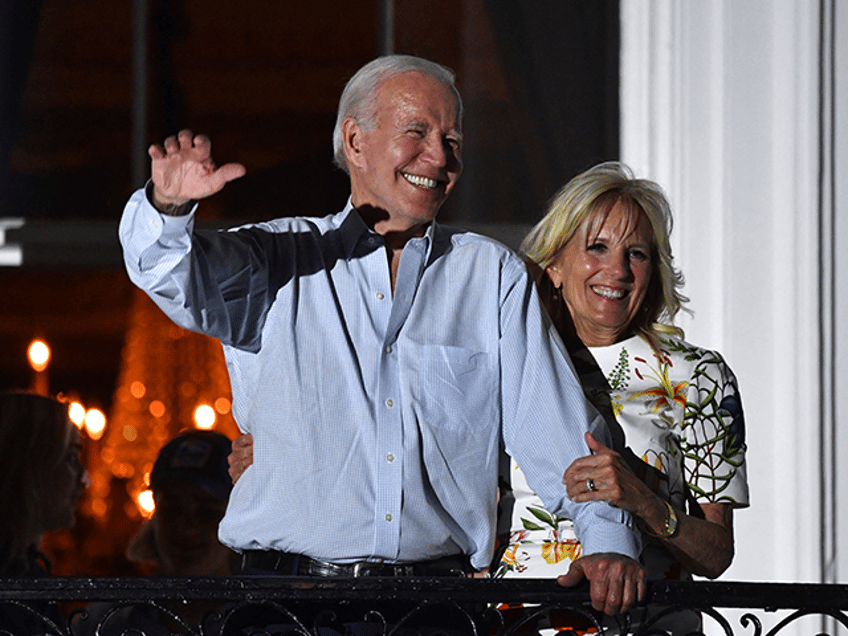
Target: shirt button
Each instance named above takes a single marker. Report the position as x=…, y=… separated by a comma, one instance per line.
x=390, y=403
x=380, y=296
x=390, y=458
x=388, y=348
x=388, y=516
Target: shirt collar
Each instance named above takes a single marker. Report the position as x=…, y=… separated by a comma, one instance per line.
x=354, y=231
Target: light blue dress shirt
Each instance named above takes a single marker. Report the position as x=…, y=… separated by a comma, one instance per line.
x=378, y=420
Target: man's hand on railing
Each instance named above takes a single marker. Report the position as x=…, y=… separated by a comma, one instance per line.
x=616, y=582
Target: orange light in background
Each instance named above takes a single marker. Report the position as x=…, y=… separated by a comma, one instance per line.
x=123, y=470
x=137, y=389
x=146, y=504
x=130, y=433
x=39, y=355
x=99, y=507
x=222, y=405
x=76, y=413
x=95, y=423
x=157, y=409
x=204, y=417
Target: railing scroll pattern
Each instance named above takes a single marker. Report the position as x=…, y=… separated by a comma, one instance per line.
x=247, y=606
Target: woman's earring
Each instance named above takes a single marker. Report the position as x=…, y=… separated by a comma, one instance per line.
x=556, y=303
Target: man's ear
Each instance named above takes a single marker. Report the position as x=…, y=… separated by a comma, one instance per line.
x=353, y=138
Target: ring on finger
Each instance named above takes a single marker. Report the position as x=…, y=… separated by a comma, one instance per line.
x=590, y=484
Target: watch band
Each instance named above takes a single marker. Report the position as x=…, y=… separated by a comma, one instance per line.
x=672, y=524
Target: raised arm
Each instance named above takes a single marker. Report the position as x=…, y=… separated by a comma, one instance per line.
x=211, y=282
x=183, y=170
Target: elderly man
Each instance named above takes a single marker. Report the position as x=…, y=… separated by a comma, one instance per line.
x=381, y=361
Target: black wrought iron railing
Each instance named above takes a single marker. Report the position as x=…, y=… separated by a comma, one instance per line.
x=389, y=606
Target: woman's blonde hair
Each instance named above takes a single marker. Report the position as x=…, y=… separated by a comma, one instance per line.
x=583, y=204
x=34, y=435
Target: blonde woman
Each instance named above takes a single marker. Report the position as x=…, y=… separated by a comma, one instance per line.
x=604, y=269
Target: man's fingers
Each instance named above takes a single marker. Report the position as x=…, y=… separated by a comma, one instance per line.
x=156, y=152
x=183, y=169
x=202, y=142
x=617, y=583
x=231, y=171
x=186, y=138
x=606, y=595
x=633, y=591
x=574, y=575
x=219, y=178
x=171, y=144
x=630, y=596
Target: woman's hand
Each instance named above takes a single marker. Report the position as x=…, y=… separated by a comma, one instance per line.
x=241, y=456
x=703, y=544
x=605, y=476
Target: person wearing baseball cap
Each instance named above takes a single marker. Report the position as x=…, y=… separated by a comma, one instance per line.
x=191, y=487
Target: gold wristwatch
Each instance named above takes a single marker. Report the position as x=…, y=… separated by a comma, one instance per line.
x=671, y=523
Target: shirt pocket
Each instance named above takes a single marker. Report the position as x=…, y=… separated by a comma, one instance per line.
x=454, y=388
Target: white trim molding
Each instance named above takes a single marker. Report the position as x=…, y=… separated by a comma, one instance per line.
x=721, y=105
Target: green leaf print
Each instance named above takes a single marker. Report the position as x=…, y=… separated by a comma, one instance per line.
x=529, y=525
x=619, y=377
x=542, y=515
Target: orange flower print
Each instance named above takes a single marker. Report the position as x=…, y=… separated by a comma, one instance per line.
x=509, y=558
x=512, y=560
x=517, y=536
x=556, y=551
x=665, y=393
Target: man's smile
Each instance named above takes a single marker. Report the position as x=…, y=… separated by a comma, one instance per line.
x=421, y=182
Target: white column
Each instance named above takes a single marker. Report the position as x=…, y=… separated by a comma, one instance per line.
x=838, y=96
x=720, y=105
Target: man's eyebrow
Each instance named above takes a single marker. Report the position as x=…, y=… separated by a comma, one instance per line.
x=420, y=123
x=413, y=123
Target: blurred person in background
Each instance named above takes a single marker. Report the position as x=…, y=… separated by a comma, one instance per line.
x=42, y=478
x=191, y=487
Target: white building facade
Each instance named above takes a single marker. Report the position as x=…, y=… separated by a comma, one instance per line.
x=739, y=108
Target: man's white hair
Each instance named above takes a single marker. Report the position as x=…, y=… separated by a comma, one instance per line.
x=358, y=98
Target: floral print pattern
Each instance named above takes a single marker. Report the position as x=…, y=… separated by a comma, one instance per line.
x=678, y=409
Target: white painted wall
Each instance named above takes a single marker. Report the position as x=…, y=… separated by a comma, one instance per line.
x=720, y=104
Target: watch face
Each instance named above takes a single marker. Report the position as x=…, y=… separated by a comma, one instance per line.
x=671, y=523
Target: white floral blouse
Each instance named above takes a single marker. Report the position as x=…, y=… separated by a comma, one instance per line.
x=676, y=412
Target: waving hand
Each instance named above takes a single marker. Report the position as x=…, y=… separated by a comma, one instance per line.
x=183, y=170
